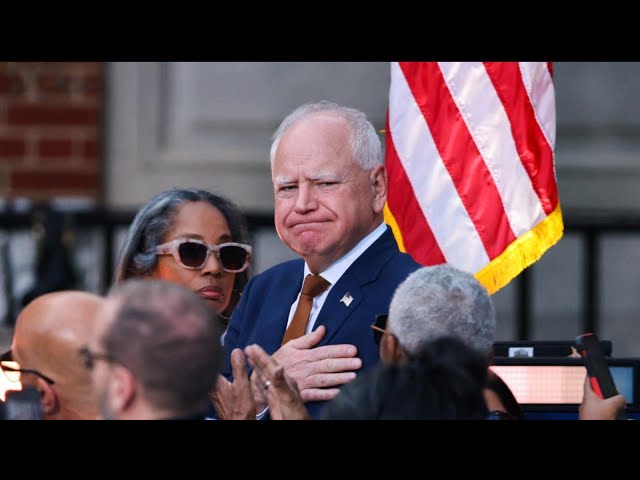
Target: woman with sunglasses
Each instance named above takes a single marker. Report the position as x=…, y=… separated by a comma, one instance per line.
x=190, y=237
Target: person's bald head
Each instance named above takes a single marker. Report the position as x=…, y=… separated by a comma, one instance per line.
x=48, y=333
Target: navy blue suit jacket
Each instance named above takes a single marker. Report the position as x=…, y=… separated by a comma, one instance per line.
x=262, y=314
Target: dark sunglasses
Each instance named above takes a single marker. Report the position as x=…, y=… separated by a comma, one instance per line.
x=89, y=358
x=193, y=254
x=12, y=370
x=379, y=327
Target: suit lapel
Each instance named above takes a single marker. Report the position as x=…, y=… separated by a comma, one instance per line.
x=346, y=295
x=284, y=294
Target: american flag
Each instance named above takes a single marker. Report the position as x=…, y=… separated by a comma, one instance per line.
x=470, y=156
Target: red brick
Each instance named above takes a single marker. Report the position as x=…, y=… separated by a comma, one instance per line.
x=84, y=68
x=54, y=83
x=92, y=85
x=90, y=149
x=12, y=147
x=51, y=115
x=11, y=84
x=42, y=180
x=45, y=196
x=3, y=182
x=48, y=148
x=11, y=162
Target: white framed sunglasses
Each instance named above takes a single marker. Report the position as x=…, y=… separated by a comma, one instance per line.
x=193, y=254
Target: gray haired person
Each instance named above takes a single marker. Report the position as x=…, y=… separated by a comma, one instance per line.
x=330, y=188
x=440, y=301
x=191, y=237
x=365, y=143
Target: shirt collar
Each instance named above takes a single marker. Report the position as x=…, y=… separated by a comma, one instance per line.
x=334, y=271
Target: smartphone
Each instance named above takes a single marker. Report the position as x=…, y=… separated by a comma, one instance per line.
x=598, y=371
x=23, y=405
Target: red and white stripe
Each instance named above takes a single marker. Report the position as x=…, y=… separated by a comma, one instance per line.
x=470, y=157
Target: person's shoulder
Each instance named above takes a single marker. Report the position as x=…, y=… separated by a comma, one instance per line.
x=397, y=269
x=404, y=263
x=388, y=243
x=407, y=259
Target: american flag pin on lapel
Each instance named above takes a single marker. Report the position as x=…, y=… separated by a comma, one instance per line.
x=347, y=299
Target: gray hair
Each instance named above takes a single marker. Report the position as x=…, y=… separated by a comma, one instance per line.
x=156, y=218
x=167, y=336
x=365, y=143
x=440, y=301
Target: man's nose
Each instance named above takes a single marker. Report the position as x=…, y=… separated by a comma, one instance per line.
x=305, y=199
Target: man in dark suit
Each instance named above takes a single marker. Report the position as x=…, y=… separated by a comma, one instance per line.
x=313, y=314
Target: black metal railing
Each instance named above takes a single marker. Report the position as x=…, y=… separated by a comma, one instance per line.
x=590, y=225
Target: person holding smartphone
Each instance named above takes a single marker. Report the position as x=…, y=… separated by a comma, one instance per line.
x=594, y=407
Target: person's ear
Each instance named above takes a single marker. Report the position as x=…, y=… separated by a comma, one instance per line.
x=390, y=350
x=123, y=391
x=378, y=181
x=48, y=397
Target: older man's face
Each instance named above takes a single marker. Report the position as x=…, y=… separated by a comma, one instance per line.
x=325, y=203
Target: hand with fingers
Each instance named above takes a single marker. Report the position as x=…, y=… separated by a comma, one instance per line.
x=595, y=408
x=279, y=390
x=316, y=371
x=234, y=401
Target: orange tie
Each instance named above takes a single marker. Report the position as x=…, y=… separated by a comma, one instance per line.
x=313, y=286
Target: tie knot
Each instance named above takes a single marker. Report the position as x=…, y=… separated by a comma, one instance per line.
x=314, y=285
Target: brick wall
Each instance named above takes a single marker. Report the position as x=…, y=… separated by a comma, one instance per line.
x=50, y=129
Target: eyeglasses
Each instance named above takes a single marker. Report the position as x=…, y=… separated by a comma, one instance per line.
x=12, y=370
x=379, y=327
x=89, y=358
x=193, y=254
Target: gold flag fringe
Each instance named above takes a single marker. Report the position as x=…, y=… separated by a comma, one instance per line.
x=390, y=220
x=522, y=253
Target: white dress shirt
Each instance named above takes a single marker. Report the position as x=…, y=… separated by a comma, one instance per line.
x=333, y=273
